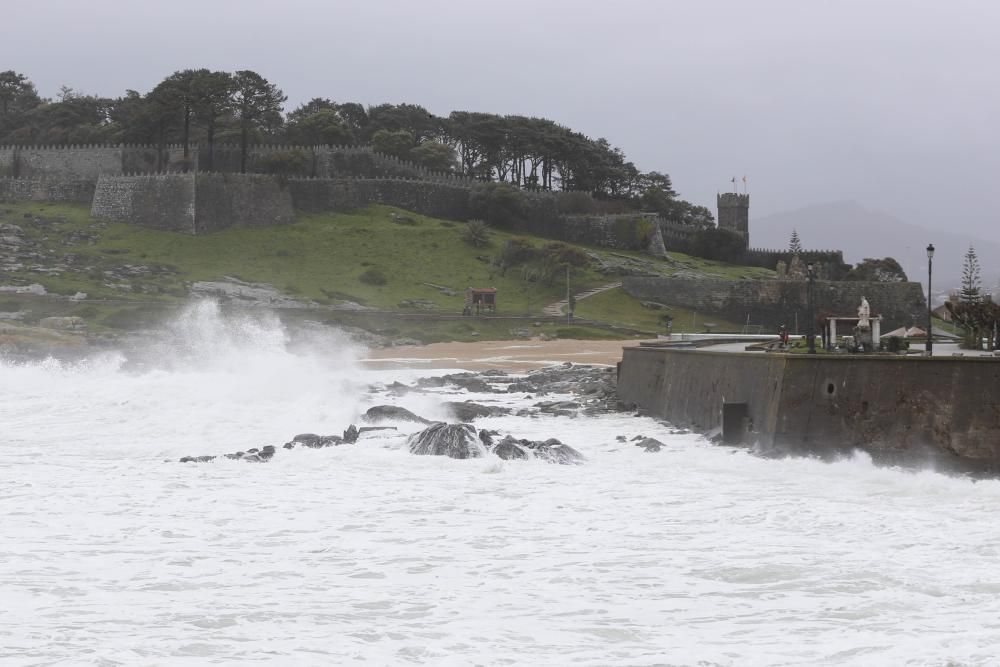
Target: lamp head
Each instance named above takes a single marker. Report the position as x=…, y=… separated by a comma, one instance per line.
x=810, y=268
x=930, y=251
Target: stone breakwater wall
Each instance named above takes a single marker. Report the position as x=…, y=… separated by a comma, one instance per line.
x=943, y=410
x=440, y=200
x=193, y=203
x=772, y=303
x=46, y=190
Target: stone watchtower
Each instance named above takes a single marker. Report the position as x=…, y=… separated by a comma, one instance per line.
x=734, y=214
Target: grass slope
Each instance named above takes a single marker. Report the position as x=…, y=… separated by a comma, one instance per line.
x=320, y=257
x=617, y=306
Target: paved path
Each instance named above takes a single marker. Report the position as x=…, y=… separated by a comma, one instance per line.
x=556, y=309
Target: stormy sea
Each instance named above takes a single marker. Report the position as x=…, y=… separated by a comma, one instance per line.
x=653, y=546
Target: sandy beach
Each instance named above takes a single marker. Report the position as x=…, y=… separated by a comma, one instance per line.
x=508, y=355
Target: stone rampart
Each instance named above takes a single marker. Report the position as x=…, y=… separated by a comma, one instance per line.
x=75, y=162
x=193, y=203
x=321, y=162
x=159, y=201
x=46, y=190
x=240, y=200
x=629, y=231
x=436, y=199
x=772, y=303
x=941, y=410
x=85, y=162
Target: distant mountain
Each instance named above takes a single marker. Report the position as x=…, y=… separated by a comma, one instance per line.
x=862, y=232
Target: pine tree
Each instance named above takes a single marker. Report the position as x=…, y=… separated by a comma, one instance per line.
x=971, y=285
x=794, y=245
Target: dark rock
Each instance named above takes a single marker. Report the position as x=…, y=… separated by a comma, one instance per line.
x=197, y=459
x=467, y=411
x=470, y=382
x=381, y=413
x=313, y=441
x=509, y=449
x=554, y=451
x=495, y=372
x=650, y=444
x=558, y=408
x=516, y=387
x=398, y=389
x=621, y=438
x=486, y=437
x=437, y=381
x=351, y=434
x=459, y=441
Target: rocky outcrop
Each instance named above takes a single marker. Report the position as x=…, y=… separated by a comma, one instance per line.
x=550, y=450
x=459, y=441
x=382, y=413
x=468, y=411
x=650, y=444
x=313, y=441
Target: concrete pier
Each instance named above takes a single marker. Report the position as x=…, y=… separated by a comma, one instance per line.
x=943, y=410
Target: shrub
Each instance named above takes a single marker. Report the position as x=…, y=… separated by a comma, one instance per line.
x=499, y=204
x=284, y=163
x=897, y=344
x=476, y=233
x=634, y=232
x=517, y=251
x=575, y=202
x=720, y=245
x=372, y=277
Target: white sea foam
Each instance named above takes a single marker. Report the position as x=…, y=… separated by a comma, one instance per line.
x=694, y=555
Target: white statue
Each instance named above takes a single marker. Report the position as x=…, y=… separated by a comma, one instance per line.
x=864, y=313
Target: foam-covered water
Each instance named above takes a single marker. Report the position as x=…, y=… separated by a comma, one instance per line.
x=697, y=554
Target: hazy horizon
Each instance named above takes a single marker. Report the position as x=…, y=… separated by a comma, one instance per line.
x=886, y=105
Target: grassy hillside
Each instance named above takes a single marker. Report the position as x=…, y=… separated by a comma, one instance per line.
x=126, y=270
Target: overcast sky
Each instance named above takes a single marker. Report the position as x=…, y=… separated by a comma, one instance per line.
x=892, y=103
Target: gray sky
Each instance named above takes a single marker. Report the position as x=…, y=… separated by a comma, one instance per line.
x=892, y=103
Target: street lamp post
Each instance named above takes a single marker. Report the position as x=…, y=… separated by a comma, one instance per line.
x=930, y=337
x=811, y=324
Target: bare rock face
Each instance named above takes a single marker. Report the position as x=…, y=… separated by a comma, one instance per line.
x=381, y=413
x=459, y=441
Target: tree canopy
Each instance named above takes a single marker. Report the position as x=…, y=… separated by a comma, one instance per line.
x=971, y=291
x=885, y=270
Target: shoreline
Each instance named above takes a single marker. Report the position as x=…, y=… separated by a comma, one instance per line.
x=508, y=355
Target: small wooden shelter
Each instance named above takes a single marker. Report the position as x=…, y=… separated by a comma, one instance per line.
x=480, y=299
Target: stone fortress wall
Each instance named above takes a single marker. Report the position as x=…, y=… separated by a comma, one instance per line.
x=76, y=191
x=193, y=203
x=158, y=188
x=87, y=162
